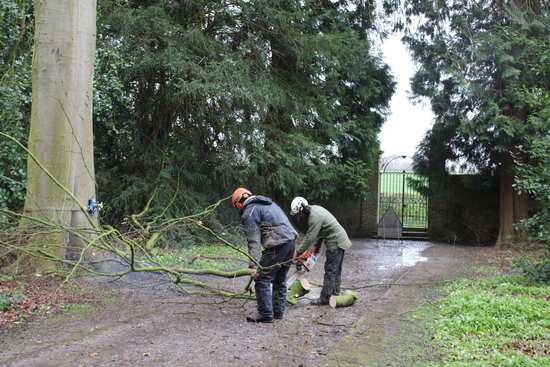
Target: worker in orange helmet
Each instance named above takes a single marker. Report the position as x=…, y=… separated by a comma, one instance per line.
x=270, y=237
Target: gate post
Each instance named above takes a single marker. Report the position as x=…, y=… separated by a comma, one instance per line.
x=371, y=206
x=403, y=199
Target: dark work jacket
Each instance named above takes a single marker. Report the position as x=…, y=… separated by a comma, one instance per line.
x=265, y=225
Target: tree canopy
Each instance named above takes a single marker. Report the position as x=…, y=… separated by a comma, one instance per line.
x=198, y=98
x=16, y=35
x=475, y=69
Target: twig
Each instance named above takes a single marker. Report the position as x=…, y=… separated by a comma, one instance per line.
x=330, y=324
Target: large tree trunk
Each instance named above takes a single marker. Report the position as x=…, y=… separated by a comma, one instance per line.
x=60, y=136
x=513, y=207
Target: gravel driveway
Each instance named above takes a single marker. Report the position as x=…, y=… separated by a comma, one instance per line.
x=151, y=328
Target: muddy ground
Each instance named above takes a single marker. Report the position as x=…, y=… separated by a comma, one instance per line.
x=151, y=327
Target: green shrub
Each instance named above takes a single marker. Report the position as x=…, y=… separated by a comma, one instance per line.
x=532, y=177
x=537, y=271
x=9, y=298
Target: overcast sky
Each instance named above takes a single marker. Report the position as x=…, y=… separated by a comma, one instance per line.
x=407, y=124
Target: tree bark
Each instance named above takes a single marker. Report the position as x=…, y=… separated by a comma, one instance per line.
x=513, y=206
x=61, y=136
x=298, y=289
x=216, y=272
x=345, y=300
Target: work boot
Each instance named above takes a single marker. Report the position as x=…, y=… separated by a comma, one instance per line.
x=278, y=315
x=319, y=302
x=258, y=317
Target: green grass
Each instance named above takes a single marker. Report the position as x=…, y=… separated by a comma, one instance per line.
x=394, y=190
x=77, y=308
x=112, y=300
x=203, y=257
x=392, y=182
x=500, y=321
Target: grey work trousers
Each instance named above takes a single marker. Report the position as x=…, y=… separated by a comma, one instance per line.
x=333, y=274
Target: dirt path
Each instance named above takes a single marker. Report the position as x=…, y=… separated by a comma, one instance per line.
x=376, y=331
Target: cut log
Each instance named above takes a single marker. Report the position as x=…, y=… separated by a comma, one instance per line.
x=298, y=289
x=346, y=299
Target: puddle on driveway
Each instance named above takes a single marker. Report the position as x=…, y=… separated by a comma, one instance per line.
x=407, y=253
x=391, y=254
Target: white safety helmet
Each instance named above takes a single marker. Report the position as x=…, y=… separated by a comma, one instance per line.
x=298, y=205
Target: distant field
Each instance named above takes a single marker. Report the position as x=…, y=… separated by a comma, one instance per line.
x=395, y=192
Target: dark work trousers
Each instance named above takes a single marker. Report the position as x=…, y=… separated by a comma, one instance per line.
x=270, y=302
x=333, y=274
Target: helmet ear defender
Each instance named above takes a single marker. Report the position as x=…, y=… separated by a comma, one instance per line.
x=305, y=209
x=237, y=197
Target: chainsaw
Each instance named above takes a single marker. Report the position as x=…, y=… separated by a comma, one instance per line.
x=304, y=264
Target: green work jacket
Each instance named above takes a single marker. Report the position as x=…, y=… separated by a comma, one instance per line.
x=322, y=226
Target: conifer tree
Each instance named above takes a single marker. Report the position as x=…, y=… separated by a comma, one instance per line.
x=16, y=32
x=472, y=67
x=197, y=98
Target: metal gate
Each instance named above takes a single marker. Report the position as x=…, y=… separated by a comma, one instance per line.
x=410, y=206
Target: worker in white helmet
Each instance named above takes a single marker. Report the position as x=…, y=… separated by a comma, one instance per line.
x=323, y=227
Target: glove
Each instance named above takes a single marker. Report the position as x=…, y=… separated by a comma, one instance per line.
x=300, y=260
x=304, y=256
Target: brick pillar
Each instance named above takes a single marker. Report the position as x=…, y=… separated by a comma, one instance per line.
x=370, y=207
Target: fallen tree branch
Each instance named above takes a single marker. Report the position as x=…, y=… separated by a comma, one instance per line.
x=330, y=324
x=399, y=284
x=219, y=273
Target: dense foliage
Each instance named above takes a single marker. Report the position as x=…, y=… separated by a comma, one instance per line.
x=196, y=98
x=473, y=68
x=193, y=99
x=533, y=176
x=16, y=31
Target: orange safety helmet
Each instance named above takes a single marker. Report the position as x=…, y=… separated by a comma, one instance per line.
x=237, y=197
